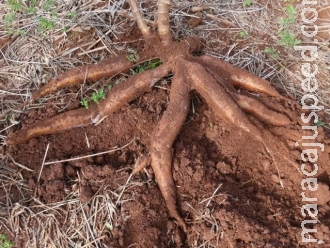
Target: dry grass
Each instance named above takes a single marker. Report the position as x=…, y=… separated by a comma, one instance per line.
x=232, y=31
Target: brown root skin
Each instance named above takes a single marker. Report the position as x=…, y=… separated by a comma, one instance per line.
x=218, y=99
x=239, y=77
x=117, y=97
x=164, y=136
x=259, y=110
x=212, y=78
x=249, y=104
x=94, y=72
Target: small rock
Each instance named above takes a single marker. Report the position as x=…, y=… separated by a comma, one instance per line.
x=224, y=168
x=265, y=164
x=275, y=178
x=69, y=170
x=99, y=160
x=151, y=109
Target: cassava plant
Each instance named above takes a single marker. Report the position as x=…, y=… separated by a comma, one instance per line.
x=214, y=80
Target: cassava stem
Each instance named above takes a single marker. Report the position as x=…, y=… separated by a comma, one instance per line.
x=163, y=21
x=145, y=30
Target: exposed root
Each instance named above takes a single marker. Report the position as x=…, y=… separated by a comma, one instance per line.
x=118, y=96
x=212, y=78
x=259, y=110
x=106, y=68
x=165, y=134
x=218, y=99
x=248, y=104
x=239, y=77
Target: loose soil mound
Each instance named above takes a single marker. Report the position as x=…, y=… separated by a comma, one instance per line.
x=229, y=191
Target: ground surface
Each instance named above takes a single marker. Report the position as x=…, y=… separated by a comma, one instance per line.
x=229, y=191
x=249, y=208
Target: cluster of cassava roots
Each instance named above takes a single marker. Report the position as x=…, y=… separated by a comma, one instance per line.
x=214, y=80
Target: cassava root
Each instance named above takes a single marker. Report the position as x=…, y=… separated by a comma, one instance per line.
x=213, y=79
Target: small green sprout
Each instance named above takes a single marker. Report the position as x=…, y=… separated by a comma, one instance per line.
x=64, y=29
x=31, y=10
x=5, y=242
x=133, y=57
x=84, y=102
x=272, y=52
x=109, y=226
x=45, y=25
x=290, y=10
x=319, y=123
x=148, y=65
x=243, y=34
x=73, y=14
x=152, y=64
x=247, y=3
x=21, y=32
x=286, y=22
x=290, y=19
x=9, y=19
x=99, y=95
x=15, y=5
x=288, y=39
x=48, y=5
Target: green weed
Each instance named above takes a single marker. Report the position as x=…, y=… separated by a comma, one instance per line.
x=85, y=103
x=15, y=5
x=101, y=94
x=290, y=19
x=272, y=52
x=31, y=10
x=96, y=98
x=247, y=3
x=98, y=95
x=5, y=242
x=73, y=14
x=148, y=65
x=9, y=19
x=18, y=9
x=287, y=38
x=319, y=123
x=48, y=5
x=243, y=34
x=45, y=24
x=133, y=57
